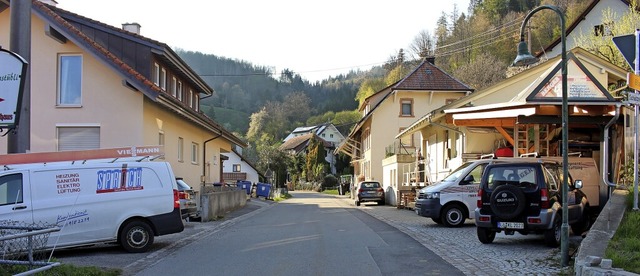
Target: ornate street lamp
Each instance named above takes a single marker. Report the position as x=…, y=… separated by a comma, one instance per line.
x=525, y=58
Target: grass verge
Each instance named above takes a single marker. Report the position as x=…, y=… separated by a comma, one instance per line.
x=63, y=270
x=624, y=247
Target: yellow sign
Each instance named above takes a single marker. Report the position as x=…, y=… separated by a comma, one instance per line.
x=633, y=81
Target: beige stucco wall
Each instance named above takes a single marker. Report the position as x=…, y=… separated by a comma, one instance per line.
x=105, y=101
x=386, y=122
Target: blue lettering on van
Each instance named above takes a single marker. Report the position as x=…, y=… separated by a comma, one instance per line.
x=73, y=218
x=111, y=180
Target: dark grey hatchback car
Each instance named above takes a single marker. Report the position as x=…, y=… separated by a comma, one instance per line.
x=370, y=191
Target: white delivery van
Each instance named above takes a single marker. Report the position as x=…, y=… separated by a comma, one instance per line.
x=93, y=202
x=452, y=200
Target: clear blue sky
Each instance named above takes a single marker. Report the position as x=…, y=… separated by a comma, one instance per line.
x=316, y=39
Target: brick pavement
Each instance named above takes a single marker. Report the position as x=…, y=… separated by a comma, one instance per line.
x=507, y=255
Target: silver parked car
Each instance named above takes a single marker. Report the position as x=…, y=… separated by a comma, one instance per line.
x=187, y=196
x=370, y=191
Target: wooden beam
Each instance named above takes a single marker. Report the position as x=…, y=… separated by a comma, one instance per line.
x=499, y=122
x=509, y=138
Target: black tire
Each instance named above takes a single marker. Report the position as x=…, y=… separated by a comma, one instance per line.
x=453, y=216
x=508, y=201
x=381, y=202
x=136, y=236
x=553, y=235
x=437, y=220
x=357, y=203
x=583, y=225
x=485, y=235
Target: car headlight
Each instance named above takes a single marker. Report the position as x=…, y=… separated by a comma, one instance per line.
x=432, y=195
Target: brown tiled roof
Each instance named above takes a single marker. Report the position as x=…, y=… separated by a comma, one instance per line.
x=429, y=77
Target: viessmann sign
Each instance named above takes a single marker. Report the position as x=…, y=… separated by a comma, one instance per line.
x=13, y=70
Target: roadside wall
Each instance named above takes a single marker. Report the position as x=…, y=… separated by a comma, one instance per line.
x=589, y=259
x=216, y=205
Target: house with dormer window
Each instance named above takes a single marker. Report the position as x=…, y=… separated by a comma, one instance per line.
x=390, y=111
x=98, y=86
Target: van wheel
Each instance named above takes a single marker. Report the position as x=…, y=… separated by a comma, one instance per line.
x=485, y=235
x=357, y=203
x=453, y=216
x=437, y=220
x=136, y=237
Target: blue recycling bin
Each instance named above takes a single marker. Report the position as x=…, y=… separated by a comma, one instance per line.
x=244, y=185
x=263, y=189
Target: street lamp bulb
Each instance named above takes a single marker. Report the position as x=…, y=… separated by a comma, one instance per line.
x=524, y=58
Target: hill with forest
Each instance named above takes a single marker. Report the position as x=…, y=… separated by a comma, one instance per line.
x=242, y=89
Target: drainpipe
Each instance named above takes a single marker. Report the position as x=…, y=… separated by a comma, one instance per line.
x=204, y=157
x=605, y=149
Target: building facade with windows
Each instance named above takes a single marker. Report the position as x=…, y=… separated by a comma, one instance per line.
x=392, y=109
x=97, y=86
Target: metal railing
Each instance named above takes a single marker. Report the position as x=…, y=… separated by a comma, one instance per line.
x=22, y=247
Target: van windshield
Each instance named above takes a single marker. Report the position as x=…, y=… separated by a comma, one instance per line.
x=457, y=173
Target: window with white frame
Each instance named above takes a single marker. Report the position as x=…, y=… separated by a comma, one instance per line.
x=69, y=80
x=163, y=79
x=180, y=90
x=78, y=137
x=194, y=153
x=156, y=74
x=180, y=149
x=406, y=107
x=190, y=98
x=197, y=104
x=236, y=168
x=161, y=140
x=174, y=86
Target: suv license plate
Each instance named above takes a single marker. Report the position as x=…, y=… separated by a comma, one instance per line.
x=511, y=225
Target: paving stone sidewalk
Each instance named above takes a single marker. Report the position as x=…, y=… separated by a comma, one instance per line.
x=507, y=255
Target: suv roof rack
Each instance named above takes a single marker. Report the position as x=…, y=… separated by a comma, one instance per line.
x=110, y=155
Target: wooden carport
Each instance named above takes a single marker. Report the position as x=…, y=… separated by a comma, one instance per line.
x=531, y=121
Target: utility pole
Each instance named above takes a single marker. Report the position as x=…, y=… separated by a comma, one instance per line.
x=19, y=141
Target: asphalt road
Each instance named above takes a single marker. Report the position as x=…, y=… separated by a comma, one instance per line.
x=310, y=234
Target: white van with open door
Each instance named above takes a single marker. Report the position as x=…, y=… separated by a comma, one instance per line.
x=92, y=201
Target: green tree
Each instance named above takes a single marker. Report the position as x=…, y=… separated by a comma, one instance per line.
x=483, y=71
x=315, y=164
x=368, y=88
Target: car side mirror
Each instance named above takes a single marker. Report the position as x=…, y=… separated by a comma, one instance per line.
x=578, y=184
x=468, y=179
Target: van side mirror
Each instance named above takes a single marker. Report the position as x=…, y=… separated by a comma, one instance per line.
x=467, y=180
x=578, y=184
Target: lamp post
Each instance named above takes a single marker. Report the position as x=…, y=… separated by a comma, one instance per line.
x=525, y=58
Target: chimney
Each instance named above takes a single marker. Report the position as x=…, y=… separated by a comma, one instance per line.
x=50, y=2
x=131, y=27
x=431, y=60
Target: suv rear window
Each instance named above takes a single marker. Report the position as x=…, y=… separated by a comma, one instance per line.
x=521, y=176
x=370, y=185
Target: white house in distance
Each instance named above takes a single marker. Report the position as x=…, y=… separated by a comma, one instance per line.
x=327, y=132
x=236, y=167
